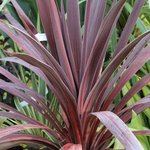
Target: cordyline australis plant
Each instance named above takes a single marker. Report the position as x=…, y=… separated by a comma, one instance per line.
x=73, y=70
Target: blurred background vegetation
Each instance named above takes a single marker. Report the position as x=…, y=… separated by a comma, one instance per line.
x=141, y=121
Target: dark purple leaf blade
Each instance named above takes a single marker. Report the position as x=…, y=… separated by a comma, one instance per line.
x=73, y=24
x=100, y=85
x=26, y=21
x=18, y=115
x=118, y=128
x=56, y=26
x=11, y=77
x=93, y=22
x=37, y=71
x=135, y=88
x=98, y=51
x=65, y=97
x=129, y=25
x=21, y=41
x=68, y=45
x=47, y=72
x=25, y=95
x=25, y=64
x=13, y=113
x=35, y=49
x=46, y=21
x=16, y=128
x=143, y=56
x=142, y=132
x=48, y=58
x=12, y=88
x=16, y=139
x=95, y=55
x=51, y=74
x=126, y=113
x=137, y=107
x=127, y=62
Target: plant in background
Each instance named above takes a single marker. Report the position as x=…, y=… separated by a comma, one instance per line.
x=73, y=68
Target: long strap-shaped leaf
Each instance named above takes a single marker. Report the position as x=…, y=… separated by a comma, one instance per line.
x=73, y=23
x=17, y=115
x=93, y=19
x=43, y=76
x=22, y=42
x=16, y=128
x=84, y=44
x=16, y=139
x=135, y=88
x=65, y=97
x=100, y=84
x=94, y=95
x=118, y=128
x=13, y=89
x=129, y=25
x=56, y=26
x=68, y=44
x=143, y=56
x=46, y=21
x=96, y=53
x=13, y=21
x=35, y=49
x=62, y=102
x=138, y=107
x=49, y=60
x=26, y=21
x=126, y=113
x=127, y=62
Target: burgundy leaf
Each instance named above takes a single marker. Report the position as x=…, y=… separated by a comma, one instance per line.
x=143, y=56
x=129, y=25
x=56, y=26
x=22, y=42
x=135, y=88
x=20, y=116
x=46, y=21
x=13, y=89
x=26, y=21
x=118, y=128
x=15, y=128
x=73, y=23
x=14, y=22
x=16, y=139
x=95, y=55
x=142, y=132
x=93, y=22
x=127, y=62
x=62, y=92
x=48, y=58
x=103, y=80
x=138, y=107
x=68, y=44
